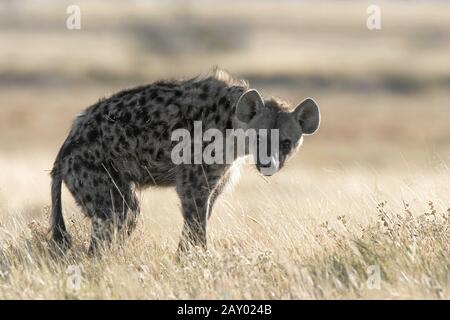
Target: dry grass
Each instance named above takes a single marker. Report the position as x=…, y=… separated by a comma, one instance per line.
x=370, y=190
x=314, y=237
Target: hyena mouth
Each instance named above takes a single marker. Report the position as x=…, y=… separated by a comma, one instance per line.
x=269, y=168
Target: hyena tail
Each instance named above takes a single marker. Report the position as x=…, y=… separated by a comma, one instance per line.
x=58, y=227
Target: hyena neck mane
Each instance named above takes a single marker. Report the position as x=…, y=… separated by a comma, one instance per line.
x=211, y=98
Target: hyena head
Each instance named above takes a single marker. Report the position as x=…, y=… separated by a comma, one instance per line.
x=271, y=148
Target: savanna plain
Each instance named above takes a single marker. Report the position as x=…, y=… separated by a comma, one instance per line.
x=361, y=212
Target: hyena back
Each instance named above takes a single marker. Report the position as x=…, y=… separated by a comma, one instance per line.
x=124, y=143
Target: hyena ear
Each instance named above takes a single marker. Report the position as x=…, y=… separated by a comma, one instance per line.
x=249, y=103
x=308, y=115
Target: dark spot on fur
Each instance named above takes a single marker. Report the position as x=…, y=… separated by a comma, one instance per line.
x=126, y=117
x=177, y=125
x=154, y=95
x=142, y=114
x=135, y=130
x=67, y=149
x=92, y=135
x=129, y=132
x=222, y=100
x=98, y=117
x=160, y=154
x=123, y=141
x=90, y=166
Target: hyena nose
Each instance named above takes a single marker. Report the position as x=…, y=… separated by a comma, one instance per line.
x=266, y=165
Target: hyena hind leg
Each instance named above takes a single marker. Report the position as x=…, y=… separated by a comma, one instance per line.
x=114, y=215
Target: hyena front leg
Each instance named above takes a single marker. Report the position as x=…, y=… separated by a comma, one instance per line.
x=195, y=186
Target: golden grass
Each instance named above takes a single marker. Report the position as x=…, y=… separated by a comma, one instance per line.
x=317, y=236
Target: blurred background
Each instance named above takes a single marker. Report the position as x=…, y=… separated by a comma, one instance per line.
x=384, y=94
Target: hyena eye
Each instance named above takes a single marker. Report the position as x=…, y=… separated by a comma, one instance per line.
x=286, y=145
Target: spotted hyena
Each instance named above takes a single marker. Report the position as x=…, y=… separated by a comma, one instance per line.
x=124, y=143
